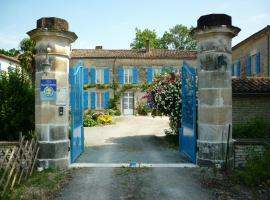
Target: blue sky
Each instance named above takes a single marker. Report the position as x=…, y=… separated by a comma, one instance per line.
x=111, y=23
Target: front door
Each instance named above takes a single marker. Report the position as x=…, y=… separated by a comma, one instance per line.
x=128, y=103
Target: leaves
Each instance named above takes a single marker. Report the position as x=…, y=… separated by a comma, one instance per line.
x=177, y=37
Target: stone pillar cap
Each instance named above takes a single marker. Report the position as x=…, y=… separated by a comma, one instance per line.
x=215, y=21
x=52, y=26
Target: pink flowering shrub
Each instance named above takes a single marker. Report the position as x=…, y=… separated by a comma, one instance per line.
x=164, y=96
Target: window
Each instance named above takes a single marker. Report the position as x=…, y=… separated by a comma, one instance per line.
x=128, y=75
x=100, y=100
x=99, y=76
x=156, y=71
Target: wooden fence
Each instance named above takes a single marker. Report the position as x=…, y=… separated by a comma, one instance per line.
x=18, y=163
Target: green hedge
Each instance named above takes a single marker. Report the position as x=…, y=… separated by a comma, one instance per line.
x=17, y=101
x=254, y=128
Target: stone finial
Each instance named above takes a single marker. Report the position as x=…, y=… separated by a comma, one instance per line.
x=52, y=23
x=214, y=20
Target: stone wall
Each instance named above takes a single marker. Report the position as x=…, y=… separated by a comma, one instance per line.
x=243, y=148
x=247, y=107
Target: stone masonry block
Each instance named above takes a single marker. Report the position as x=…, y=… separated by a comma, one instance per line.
x=215, y=96
x=58, y=133
x=215, y=115
x=213, y=133
x=214, y=79
x=42, y=132
x=53, y=150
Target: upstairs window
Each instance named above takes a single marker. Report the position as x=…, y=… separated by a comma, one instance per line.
x=128, y=75
x=99, y=76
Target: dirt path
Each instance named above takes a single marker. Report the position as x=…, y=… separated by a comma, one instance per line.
x=132, y=139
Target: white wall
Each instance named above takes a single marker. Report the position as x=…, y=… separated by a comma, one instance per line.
x=6, y=63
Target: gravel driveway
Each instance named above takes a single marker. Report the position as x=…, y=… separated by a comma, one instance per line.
x=132, y=139
x=139, y=139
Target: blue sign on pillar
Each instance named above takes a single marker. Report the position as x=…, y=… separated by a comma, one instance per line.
x=48, y=90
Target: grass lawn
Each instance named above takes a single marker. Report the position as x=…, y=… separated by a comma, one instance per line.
x=41, y=185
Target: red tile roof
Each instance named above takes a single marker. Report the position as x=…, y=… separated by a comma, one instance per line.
x=133, y=53
x=13, y=59
x=251, y=86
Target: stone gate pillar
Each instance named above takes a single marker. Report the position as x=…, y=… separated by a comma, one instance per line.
x=214, y=34
x=53, y=41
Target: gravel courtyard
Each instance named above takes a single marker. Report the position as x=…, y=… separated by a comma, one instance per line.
x=133, y=138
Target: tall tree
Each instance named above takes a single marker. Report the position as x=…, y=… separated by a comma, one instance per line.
x=142, y=36
x=26, y=58
x=178, y=37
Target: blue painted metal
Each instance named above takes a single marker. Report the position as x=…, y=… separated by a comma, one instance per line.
x=187, y=135
x=249, y=66
x=93, y=75
x=93, y=100
x=172, y=69
x=121, y=75
x=85, y=75
x=135, y=75
x=107, y=75
x=238, y=68
x=258, y=63
x=150, y=74
x=76, y=103
x=107, y=99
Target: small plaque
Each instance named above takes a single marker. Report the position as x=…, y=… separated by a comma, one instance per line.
x=62, y=97
x=48, y=89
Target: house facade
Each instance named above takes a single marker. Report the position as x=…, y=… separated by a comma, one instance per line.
x=251, y=57
x=8, y=63
x=122, y=73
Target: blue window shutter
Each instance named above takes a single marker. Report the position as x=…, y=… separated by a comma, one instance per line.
x=150, y=74
x=85, y=75
x=93, y=75
x=85, y=100
x=135, y=75
x=238, y=68
x=107, y=75
x=258, y=63
x=121, y=75
x=249, y=66
x=107, y=100
x=172, y=69
x=163, y=70
x=93, y=100
x=232, y=68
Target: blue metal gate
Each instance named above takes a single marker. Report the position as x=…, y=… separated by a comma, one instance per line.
x=188, y=136
x=76, y=103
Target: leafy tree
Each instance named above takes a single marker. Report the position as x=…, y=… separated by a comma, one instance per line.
x=26, y=58
x=12, y=52
x=141, y=38
x=17, y=104
x=178, y=37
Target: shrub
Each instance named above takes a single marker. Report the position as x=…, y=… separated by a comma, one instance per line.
x=17, y=105
x=256, y=171
x=104, y=119
x=164, y=96
x=143, y=109
x=89, y=121
x=255, y=128
x=117, y=112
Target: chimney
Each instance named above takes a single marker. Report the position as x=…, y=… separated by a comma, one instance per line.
x=98, y=47
x=147, y=46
